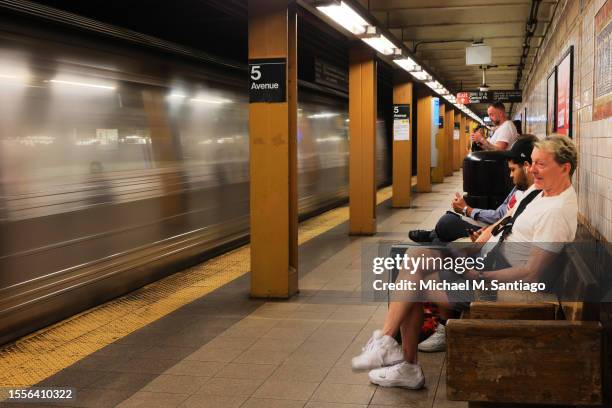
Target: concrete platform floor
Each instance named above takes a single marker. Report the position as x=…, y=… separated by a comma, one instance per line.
x=227, y=350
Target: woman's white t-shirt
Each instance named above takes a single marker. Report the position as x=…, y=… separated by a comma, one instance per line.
x=546, y=222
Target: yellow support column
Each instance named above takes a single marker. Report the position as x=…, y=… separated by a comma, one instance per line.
x=402, y=145
x=423, y=144
x=362, y=146
x=461, y=138
x=457, y=142
x=463, y=133
x=449, y=124
x=437, y=172
x=273, y=153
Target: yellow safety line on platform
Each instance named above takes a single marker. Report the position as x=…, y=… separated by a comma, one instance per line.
x=48, y=351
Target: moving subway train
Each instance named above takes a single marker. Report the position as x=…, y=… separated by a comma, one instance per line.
x=120, y=164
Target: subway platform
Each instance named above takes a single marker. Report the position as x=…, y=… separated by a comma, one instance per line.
x=196, y=339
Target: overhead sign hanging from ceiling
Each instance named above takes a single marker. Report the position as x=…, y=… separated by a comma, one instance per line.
x=267, y=78
x=509, y=95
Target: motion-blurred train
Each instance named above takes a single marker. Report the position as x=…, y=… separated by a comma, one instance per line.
x=120, y=164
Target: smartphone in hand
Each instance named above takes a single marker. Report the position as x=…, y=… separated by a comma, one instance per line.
x=474, y=233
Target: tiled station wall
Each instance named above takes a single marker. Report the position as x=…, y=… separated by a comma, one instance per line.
x=573, y=24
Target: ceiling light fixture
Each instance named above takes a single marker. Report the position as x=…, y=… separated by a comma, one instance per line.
x=421, y=75
x=378, y=41
x=344, y=15
x=407, y=64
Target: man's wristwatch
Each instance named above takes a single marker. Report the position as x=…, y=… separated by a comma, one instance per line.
x=465, y=210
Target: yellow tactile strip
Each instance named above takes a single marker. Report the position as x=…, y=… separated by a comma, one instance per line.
x=45, y=352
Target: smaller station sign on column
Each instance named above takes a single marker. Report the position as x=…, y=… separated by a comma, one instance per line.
x=267, y=80
x=401, y=122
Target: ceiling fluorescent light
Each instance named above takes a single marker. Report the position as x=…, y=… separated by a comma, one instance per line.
x=381, y=44
x=345, y=16
x=437, y=87
x=434, y=84
x=421, y=75
x=408, y=64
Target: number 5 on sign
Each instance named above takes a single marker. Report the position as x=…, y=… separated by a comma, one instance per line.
x=267, y=80
x=255, y=72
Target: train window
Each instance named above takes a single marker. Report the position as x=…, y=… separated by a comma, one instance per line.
x=94, y=126
x=87, y=132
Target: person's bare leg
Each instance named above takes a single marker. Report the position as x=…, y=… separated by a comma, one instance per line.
x=411, y=330
x=405, y=312
x=398, y=310
x=412, y=315
x=394, y=318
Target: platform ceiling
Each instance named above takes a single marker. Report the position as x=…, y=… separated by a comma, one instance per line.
x=437, y=30
x=429, y=25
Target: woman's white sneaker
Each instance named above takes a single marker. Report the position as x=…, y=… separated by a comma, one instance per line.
x=435, y=342
x=404, y=375
x=379, y=351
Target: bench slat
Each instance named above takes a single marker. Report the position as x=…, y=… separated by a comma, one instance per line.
x=513, y=311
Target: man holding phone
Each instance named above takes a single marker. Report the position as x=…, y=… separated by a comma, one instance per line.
x=505, y=133
x=466, y=221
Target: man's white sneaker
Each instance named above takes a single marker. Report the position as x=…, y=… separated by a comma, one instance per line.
x=404, y=375
x=379, y=351
x=435, y=342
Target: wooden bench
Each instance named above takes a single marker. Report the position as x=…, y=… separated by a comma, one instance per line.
x=531, y=350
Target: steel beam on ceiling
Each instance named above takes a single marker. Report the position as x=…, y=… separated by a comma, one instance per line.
x=454, y=8
x=495, y=23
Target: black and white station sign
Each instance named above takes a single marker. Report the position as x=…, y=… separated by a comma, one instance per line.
x=401, y=122
x=267, y=79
